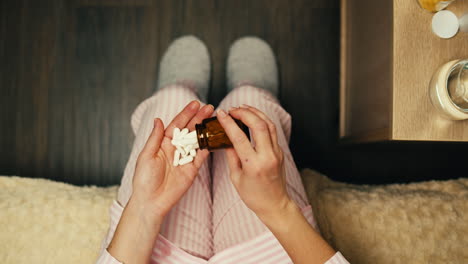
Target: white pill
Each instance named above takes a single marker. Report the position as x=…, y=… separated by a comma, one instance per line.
x=186, y=144
x=187, y=148
x=193, y=152
x=181, y=150
x=183, y=132
x=176, y=142
x=192, y=134
x=176, y=158
x=188, y=141
x=185, y=160
x=445, y=24
x=176, y=133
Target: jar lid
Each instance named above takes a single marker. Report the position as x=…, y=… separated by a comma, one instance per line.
x=445, y=24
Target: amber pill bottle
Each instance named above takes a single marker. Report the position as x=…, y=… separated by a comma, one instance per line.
x=211, y=135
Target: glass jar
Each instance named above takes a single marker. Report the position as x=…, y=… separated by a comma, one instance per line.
x=211, y=134
x=448, y=90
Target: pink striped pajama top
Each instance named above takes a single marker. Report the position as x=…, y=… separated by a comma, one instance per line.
x=264, y=249
x=211, y=224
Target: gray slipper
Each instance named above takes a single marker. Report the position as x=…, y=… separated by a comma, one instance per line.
x=186, y=62
x=252, y=61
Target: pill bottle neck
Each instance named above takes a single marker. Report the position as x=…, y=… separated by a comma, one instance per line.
x=201, y=136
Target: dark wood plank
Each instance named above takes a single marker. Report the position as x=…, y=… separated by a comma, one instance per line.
x=30, y=29
x=9, y=30
x=72, y=72
x=110, y=54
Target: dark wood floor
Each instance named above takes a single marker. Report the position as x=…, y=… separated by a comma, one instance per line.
x=73, y=71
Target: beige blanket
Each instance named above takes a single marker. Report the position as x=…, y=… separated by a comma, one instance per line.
x=413, y=223
x=43, y=221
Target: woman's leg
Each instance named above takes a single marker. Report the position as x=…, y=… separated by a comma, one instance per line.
x=233, y=222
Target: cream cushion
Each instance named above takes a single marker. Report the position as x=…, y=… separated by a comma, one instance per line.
x=423, y=222
x=43, y=221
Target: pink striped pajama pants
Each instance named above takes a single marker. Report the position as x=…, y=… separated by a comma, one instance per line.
x=211, y=223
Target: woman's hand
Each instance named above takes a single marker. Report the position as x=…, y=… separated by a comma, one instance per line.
x=258, y=175
x=157, y=183
x=256, y=172
x=157, y=186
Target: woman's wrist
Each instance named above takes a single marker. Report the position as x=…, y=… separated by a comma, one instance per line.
x=302, y=243
x=146, y=210
x=280, y=216
x=136, y=232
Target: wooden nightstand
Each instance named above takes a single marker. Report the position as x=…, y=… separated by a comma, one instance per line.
x=388, y=56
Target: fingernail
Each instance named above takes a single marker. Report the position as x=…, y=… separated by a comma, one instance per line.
x=209, y=108
x=221, y=113
x=156, y=123
x=244, y=106
x=194, y=105
x=232, y=108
